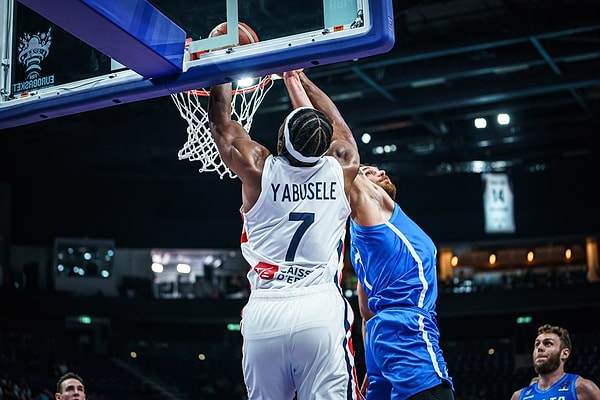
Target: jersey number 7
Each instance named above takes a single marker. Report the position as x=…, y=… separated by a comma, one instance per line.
x=307, y=220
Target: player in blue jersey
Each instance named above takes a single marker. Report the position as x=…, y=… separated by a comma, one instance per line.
x=551, y=350
x=69, y=387
x=395, y=262
x=296, y=326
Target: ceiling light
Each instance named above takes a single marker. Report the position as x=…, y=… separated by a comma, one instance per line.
x=245, y=82
x=478, y=166
x=389, y=148
x=480, y=123
x=503, y=119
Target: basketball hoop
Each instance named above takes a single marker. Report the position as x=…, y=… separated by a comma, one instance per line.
x=193, y=107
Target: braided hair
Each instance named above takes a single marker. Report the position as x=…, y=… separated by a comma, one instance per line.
x=310, y=132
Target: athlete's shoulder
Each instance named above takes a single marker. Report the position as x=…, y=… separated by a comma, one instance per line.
x=516, y=394
x=331, y=160
x=586, y=388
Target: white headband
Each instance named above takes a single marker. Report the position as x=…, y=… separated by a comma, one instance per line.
x=288, y=143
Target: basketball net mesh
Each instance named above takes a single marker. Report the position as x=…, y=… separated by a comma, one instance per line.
x=193, y=107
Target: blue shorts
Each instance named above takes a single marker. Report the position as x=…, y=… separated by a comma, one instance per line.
x=402, y=354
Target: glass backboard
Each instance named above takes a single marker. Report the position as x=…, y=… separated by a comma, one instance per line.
x=69, y=56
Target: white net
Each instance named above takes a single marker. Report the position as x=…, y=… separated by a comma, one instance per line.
x=193, y=108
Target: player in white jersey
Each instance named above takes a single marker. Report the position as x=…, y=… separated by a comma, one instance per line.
x=296, y=326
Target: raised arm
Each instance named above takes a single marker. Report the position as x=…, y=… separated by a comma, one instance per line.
x=343, y=146
x=239, y=152
x=296, y=91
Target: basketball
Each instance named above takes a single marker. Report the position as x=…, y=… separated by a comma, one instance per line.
x=246, y=34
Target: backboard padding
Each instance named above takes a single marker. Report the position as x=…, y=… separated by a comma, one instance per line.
x=149, y=43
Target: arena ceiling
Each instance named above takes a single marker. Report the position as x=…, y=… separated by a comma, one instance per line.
x=538, y=61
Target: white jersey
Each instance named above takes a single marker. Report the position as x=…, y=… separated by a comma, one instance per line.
x=293, y=236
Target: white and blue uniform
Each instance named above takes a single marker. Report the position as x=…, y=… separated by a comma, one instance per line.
x=563, y=389
x=297, y=324
x=396, y=264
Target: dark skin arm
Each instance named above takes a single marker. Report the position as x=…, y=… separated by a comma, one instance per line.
x=244, y=156
x=343, y=146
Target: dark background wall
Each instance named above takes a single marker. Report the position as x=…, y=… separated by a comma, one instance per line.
x=115, y=173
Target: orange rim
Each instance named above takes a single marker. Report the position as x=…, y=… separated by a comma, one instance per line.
x=262, y=82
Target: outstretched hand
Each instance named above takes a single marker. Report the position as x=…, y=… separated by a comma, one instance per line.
x=292, y=73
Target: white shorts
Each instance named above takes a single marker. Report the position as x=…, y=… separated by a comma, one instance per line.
x=298, y=340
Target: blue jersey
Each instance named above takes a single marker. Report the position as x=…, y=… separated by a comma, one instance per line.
x=396, y=264
x=563, y=389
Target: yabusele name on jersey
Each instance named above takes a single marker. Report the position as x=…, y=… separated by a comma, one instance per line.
x=307, y=191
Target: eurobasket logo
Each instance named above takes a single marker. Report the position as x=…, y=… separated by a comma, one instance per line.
x=32, y=50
